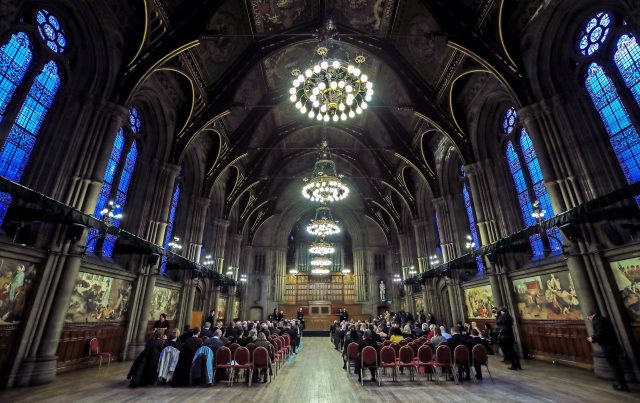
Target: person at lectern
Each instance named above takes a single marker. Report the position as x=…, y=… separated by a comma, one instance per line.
x=300, y=316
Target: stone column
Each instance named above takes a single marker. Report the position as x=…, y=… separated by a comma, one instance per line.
x=281, y=274
x=424, y=244
x=196, y=227
x=234, y=260
x=161, y=203
x=453, y=301
x=358, y=268
x=220, y=229
x=40, y=360
x=445, y=228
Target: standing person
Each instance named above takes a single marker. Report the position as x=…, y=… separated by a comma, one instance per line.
x=604, y=334
x=300, y=317
x=504, y=324
x=212, y=317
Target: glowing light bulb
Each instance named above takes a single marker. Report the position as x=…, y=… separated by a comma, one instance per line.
x=343, y=116
x=296, y=83
x=335, y=64
x=350, y=68
x=349, y=88
x=364, y=105
x=326, y=118
x=356, y=72
x=349, y=101
x=319, y=116
x=308, y=72
x=341, y=83
x=293, y=98
x=292, y=91
x=369, y=85
x=358, y=110
x=334, y=85
x=364, y=78
x=298, y=104
x=323, y=108
x=301, y=78
x=341, y=106
x=316, y=104
x=322, y=85
x=335, y=118
x=316, y=69
x=324, y=65
x=315, y=90
x=312, y=98
x=367, y=98
x=311, y=114
x=303, y=109
x=351, y=114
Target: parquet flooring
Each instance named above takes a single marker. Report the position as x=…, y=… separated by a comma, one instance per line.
x=316, y=375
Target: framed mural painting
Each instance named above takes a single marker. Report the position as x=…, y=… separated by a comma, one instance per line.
x=16, y=280
x=98, y=298
x=164, y=300
x=479, y=301
x=547, y=297
x=627, y=275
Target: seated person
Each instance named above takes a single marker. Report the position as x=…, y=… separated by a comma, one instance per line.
x=396, y=335
x=194, y=341
x=263, y=342
x=437, y=339
x=216, y=341
x=366, y=341
x=206, y=331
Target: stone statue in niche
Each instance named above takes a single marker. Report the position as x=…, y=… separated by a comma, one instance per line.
x=383, y=290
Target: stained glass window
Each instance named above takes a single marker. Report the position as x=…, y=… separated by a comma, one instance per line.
x=107, y=185
x=627, y=59
x=23, y=135
x=121, y=195
x=169, y=233
x=134, y=120
x=509, y=121
x=523, y=197
x=472, y=225
x=51, y=31
x=15, y=58
x=594, y=34
x=539, y=189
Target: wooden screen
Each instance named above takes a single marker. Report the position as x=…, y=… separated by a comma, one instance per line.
x=335, y=288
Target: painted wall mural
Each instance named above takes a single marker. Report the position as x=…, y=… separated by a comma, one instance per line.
x=98, y=298
x=16, y=281
x=479, y=301
x=277, y=15
x=221, y=308
x=165, y=301
x=627, y=275
x=547, y=297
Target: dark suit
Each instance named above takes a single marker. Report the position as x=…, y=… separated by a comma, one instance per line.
x=604, y=334
x=361, y=345
x=504, y=324
x=193, y=342
x=471, y=342
x=214, y=343
x=453, y=342
x=206, y=333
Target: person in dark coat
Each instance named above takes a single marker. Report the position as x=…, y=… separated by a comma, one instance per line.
x=182, y=373
x=472, y=342
x=212, y=317
x=144, y=369
x=162, y=323
x=506, y=340
x=366, y=341
x=604, y=334
x=186, y=333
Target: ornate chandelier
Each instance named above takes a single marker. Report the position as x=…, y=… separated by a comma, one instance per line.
x=320, y=261
x=331, y=89
x=325, y=185
x=321, y=247
x=323, y=224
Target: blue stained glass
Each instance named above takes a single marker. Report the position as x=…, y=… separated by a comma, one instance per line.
x=169, y=233
x=472, y=225
x=105, y=191
x=51, y=31
x=134, y=120
x=627, y=59
x=509, y=121
x=15, y=58
x=622, y=135
x=121, y=196
x=22, y=136
x=594, y=34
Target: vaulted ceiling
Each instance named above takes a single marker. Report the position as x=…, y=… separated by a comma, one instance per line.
x=227, y=68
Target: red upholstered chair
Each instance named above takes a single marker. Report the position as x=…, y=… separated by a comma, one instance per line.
x=387, y=342
x=407, y=360
x=352, y=355
x=251, y=347
x=388, y=360
x=442, y=361
x=223, y=360
x=281, y=351
x=241, y=361
x=415, y=347
x=409, y=339
x=403, y=342
x=479, y=357
x=260, y=361
x=287, y=344
x=94, y=351
x=461, y=358
x=425, y=354
x=396, y=348
x=368, y=359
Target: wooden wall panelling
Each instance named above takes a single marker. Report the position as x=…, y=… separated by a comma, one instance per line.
x=557, y=341
x=73, y=350
x=8, y=335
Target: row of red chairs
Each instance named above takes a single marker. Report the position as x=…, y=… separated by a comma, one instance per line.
x=406, y=357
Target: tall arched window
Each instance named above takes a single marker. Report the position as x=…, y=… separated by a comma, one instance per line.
x=529, y=181
x=612, y=80
x=15, y=58
x=32, y=107
x=117, y=170
x=169, y=233
x=473, y=229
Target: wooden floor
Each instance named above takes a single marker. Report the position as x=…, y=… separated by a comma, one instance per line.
x=316, y=375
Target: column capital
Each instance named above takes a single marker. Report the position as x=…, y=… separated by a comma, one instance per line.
x=220, y=222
